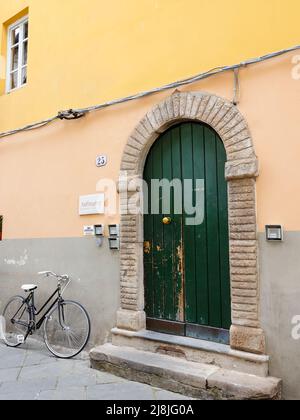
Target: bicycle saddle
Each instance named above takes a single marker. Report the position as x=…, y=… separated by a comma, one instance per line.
x=29, y=287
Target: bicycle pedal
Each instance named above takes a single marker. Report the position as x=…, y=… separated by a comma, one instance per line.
x=20, y=339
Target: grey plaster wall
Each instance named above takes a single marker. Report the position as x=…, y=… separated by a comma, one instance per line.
x=94, y=272
x=280, y=302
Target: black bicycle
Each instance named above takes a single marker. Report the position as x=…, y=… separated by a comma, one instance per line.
x=66, y=323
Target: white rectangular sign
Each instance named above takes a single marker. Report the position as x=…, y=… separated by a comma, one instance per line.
x=89, y=230
x=91, y=204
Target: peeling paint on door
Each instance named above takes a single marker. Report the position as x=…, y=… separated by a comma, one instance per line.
x=179, y=267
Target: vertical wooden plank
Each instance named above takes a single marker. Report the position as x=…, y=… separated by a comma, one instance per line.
x=223, y=236
x=158, y=271
x=148, y=237
x=212, y=211
x=177, y=246
x=200, y=231
x=188, y=231
x=167, y=252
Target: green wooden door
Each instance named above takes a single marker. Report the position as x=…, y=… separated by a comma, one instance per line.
x=186, y=267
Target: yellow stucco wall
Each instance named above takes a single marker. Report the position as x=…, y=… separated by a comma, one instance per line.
x=43, y=172
x=83, y=52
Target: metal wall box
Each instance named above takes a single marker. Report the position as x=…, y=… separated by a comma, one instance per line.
x=114, y=231
x=114, y=243
x=99, y=230
x=274, y=233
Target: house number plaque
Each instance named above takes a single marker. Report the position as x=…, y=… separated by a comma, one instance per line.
x=101, y=161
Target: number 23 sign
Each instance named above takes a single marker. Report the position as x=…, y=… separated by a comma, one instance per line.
x=101, y=161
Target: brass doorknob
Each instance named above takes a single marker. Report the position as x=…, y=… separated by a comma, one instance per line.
x=167, y=220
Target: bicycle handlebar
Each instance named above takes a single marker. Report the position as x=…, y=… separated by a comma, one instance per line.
x=50, y=273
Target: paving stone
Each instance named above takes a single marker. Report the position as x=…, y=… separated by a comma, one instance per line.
x=19, y=396
x=53, y=369
x=82, y=366
x=74, y=381
x=36, y=357
x=71, y=394
x=31, y=385
x=120, y=391
x=12, y=358
x=46, y=396
x=10, y=374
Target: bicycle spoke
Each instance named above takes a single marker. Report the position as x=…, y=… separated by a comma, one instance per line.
x=75, y=338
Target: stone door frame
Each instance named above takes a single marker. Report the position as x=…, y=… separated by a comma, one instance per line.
x=240, y=172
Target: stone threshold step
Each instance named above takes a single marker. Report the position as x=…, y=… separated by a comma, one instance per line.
x=196, y=380
x=194, y=350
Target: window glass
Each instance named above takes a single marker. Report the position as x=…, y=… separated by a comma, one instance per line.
x=26, y=30
x=25, y=49
x=14, y=80
x=15, y=58
x=24, y=75
x=15, y=35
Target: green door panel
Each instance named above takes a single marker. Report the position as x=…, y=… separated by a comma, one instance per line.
x=186, y=266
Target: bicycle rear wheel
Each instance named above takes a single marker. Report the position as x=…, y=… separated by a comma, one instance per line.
x=67, y=329
x=17, y=320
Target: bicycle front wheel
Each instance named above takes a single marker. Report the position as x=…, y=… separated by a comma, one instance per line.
x=67, y=329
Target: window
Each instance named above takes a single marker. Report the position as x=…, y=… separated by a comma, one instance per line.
x=17, y=55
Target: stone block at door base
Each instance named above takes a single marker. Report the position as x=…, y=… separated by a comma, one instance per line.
x=131, y=320
x=247, y=339
x=196, y=380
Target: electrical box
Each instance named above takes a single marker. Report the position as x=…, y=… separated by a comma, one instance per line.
x=99, y=230
x=114, y=243
x=274, y=233
x=114, y=231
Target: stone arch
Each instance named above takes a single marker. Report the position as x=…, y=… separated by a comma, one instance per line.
x=240, y=172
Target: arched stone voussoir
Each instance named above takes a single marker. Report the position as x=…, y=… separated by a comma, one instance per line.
x=219, y=113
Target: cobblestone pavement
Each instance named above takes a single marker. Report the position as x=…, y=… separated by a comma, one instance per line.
x=32, y=373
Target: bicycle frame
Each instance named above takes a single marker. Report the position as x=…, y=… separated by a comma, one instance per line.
x=33, y=313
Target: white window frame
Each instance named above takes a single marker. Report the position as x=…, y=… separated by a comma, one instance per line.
x=21, y=66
